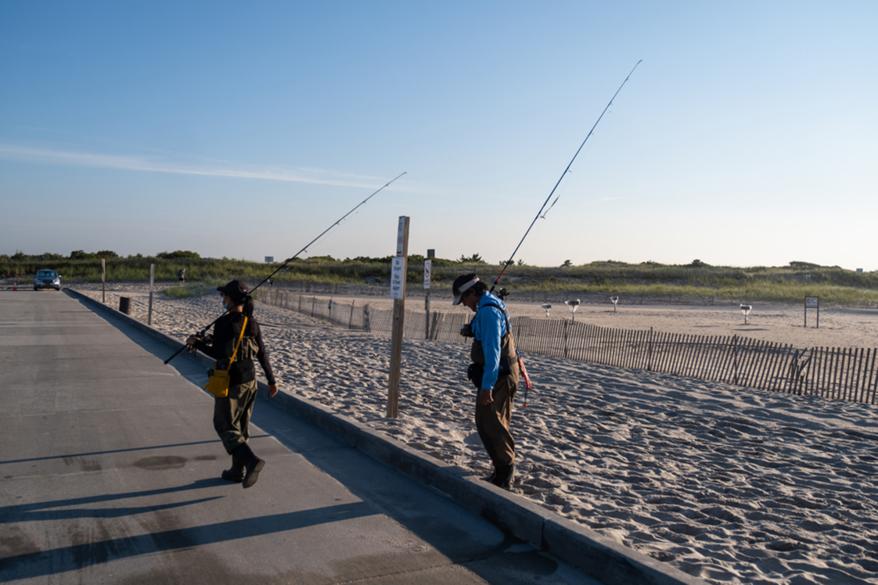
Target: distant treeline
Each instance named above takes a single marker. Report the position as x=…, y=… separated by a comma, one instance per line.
x=641, y=282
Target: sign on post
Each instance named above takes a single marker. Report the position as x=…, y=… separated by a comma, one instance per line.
x=397, y=293
x=397, y=278
x=812, y=303
x=428, y=273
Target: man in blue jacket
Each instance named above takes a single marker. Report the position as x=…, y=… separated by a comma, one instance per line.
x=494, y=371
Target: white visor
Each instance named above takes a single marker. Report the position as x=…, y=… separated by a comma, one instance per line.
x=463, y=288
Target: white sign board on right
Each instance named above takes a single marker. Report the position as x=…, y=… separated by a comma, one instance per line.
x=812, y=302
x=397, y=279
x=428, y=272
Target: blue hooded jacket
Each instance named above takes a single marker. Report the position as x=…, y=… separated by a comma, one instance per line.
x=489, y=327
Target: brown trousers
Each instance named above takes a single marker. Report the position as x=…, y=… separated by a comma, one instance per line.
x=493, y=423
x=231, y=416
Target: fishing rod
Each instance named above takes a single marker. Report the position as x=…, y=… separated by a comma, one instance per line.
x=542, y=214
x=296, y=255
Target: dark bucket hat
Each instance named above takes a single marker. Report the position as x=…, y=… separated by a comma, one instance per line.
x=236, y=290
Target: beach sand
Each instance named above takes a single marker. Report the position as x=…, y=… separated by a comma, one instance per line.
x=776, y=322
x=731, y=485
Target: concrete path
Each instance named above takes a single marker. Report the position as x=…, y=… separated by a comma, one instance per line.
x=109, y=466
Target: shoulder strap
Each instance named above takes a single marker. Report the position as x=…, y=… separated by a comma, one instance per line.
x=238, y=343
x=499, y=307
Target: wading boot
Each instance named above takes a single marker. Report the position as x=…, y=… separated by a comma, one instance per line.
x=252, y=465
x=235, y=473
x=503, y=478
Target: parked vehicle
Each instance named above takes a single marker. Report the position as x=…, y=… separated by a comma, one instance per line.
x=46, y=278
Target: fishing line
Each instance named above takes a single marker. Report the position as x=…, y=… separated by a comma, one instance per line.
x=541, y=214
x=296, y=255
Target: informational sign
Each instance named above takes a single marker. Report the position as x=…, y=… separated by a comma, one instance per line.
x=269, y=259
x=397, y=277
x=812, y=303
x=428, y=272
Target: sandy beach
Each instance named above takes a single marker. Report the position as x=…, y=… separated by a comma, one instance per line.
x=731, y=485
x=781, y=323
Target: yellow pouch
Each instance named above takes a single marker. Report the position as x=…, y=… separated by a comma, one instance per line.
x=218, y=380
x=218, y=383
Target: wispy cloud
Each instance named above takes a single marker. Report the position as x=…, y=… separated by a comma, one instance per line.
x=213, y=169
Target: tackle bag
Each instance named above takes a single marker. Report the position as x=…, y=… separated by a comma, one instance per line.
x=218, y=380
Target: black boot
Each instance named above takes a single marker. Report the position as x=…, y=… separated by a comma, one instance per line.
x=491, y=478
x=235, y=473
x=252, y=464
x=503, y=477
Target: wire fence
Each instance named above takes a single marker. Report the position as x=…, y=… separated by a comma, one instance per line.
x=837, y=373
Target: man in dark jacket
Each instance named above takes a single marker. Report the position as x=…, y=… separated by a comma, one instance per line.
x=231, y=414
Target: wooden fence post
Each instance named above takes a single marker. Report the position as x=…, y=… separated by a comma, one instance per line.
x=565, y=338
x=735, y=357
x=397, y=292
x=151, y=284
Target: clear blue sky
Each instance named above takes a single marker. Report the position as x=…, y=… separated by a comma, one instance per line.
x=242, y=129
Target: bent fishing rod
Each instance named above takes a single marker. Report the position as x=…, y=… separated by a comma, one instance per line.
x=296, y=255
x=542, y=214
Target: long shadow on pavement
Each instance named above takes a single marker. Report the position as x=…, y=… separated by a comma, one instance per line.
x=70, y=558
x=39, y=510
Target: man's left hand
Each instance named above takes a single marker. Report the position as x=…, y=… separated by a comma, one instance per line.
x=272, y=390
x=486, y=398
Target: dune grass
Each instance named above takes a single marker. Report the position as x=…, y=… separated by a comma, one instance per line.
x=647, y=281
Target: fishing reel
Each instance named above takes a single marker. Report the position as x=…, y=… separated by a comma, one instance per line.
x=195, y=338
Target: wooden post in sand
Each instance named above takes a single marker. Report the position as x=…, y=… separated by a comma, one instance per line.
x=397, y=293
x=104, y=280
x=151, y=284
x=428, y=278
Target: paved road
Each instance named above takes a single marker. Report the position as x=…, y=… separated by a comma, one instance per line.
x=108, y=467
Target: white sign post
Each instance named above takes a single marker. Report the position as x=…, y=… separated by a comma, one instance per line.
x=812, y=303
x=428, y=270
x=397, y=278
x=397, y=293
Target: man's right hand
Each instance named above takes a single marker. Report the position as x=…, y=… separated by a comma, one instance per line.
x=486, y=398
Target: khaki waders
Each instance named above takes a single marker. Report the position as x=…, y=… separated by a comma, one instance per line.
x=231, y=415
x=493, y=421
